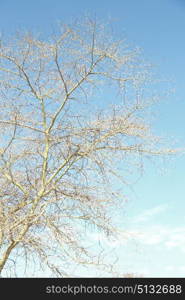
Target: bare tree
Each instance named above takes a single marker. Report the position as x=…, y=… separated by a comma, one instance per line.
x=72, y=109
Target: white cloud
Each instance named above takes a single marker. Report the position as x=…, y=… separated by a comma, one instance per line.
x=177, y=239
x=152, y=240
x=149, y=213
x=182, y=269
x=171, y=268
x=163, y=236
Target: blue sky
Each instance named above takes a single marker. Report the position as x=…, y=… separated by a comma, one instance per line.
x=154, y=217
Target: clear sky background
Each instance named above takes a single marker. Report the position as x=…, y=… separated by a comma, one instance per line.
x=155, y=215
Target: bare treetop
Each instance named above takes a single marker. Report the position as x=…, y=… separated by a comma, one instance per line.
x=62, y=141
